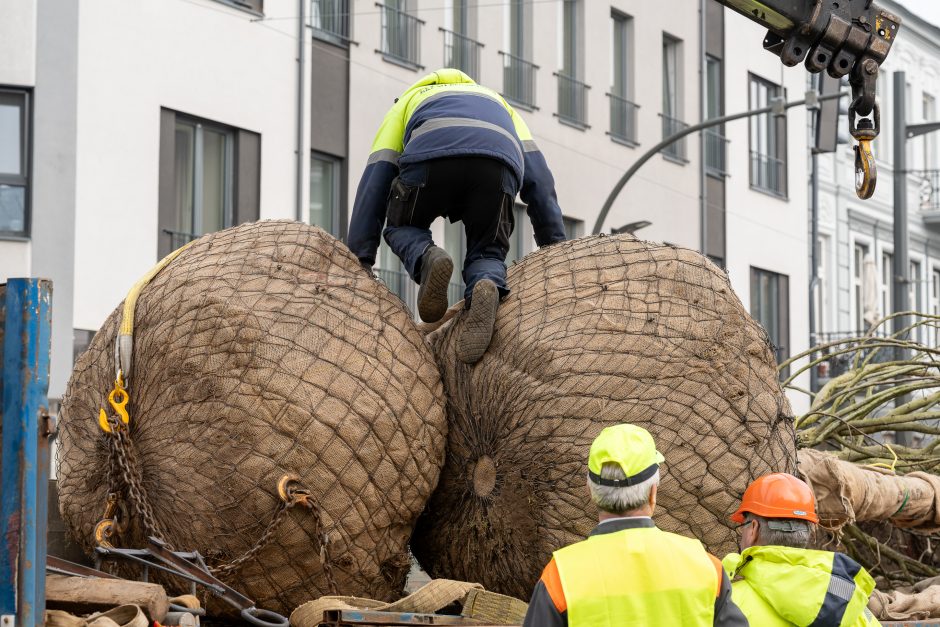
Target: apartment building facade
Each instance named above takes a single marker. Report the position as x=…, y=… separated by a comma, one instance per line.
x=141, y=126
x=855, y=245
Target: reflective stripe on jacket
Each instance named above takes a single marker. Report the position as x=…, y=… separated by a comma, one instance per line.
x=446, y=114
x=780, y=586
x=649, y=577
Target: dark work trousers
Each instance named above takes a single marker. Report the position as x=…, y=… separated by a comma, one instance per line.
x=476, y=190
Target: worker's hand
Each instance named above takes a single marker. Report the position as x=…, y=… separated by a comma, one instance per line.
x=368, y=268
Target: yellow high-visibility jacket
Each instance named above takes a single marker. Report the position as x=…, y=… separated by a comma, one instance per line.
x=777, y=586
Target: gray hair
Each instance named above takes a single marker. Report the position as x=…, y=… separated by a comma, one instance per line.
x=619, y=500
x=789, y=532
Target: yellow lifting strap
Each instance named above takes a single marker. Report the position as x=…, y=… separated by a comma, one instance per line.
x=118, y=398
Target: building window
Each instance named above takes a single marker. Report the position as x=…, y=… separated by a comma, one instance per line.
x=672, y=96
x=518, y=72
x=914, y=295
x=205, y=182
x=770, y=306
x=325, y=177
x=401, y=34
x=572, y=91
x=209, y=178
x=935, y=306
x=715, y=142
x=14, y=163
x=822, y=284
x=930, y=139
x=255, y=6
x=329, y=20
x=887, y=283
x=860, y=304
x=573, y=228
x=768, y=139
x=622, y=109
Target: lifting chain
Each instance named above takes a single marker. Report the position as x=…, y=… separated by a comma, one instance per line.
x=291, y=495
x=865, y=131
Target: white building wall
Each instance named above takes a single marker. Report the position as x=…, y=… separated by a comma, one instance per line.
x=197, y=57
x=17, y=69
x=764, y=231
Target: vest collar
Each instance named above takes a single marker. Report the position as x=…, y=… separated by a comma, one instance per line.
x=612, y=525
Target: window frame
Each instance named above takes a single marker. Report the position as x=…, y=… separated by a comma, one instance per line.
x=574, y=227
x=782, y=315
x=24, y=179
x=228, y=201
x=337, y=217
x=777, y=134
x=886, y=281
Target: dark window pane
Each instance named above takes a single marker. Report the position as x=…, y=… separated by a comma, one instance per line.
x=12, y=209
x=214, y=181
x=323, y=193
x=185, y=162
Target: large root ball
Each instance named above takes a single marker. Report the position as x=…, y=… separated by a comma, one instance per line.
x=263, y=351
x=599, y=331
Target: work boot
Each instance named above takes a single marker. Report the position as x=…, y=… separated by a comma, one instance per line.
x=477, y=325
x=436, y=268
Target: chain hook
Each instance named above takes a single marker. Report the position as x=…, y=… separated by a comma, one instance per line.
x=118, y=399
x=864, y=131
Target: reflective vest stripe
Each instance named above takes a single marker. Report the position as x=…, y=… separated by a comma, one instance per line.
x=529, y=145
x=441, y=123
x=840, y=591
x=385, y=154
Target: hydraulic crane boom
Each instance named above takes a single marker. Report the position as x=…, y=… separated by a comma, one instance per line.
x=845, y=37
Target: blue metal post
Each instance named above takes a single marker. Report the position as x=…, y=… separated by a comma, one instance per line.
x=25, y=462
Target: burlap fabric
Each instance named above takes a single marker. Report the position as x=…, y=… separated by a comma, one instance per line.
x=264, y=350
x=917, y=602
x=846, y=493
x=599, y=331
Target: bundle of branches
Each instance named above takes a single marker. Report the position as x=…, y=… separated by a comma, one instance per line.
x=884, y=383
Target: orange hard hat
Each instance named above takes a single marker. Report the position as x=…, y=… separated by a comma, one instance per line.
x=778, y=495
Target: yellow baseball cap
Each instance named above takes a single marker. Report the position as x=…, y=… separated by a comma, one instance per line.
x=630, y=447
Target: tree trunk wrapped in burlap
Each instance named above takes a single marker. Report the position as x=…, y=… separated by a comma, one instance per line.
x=260, y=351
x=598, y=331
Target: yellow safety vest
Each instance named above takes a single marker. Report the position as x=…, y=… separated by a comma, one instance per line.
x=638, y=577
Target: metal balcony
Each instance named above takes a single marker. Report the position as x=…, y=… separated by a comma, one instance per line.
x=928, y=195
x=179, y=239
x=462, y=52
x=676, y=150
x=572, y=100
x=329, y=20
x=519, y=80
x=401, y=37
x=623, y=119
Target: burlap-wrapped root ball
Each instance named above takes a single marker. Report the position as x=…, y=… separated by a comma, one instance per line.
x=264, y=350
x=598, y=331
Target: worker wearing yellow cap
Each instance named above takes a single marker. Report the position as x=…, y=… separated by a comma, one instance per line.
x=628, y=572
x=776, y=580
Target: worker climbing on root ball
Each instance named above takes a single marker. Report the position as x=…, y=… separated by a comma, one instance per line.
x=628, y=572
x=451, y=148
x=776, y=580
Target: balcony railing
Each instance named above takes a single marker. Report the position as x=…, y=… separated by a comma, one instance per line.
x=671, y=126
x=401, y=36
x=716, y=152
x=572, y=100
x=329, y=20
x=839, y=364
x=768, y=173
x=519, y=80
x=928, y=189
x=180, y=238
x=623, y=119
x=462, y=52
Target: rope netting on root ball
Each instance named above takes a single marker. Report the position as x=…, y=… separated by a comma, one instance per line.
x=876, y=416
x=286, y=419
x=599, y=331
